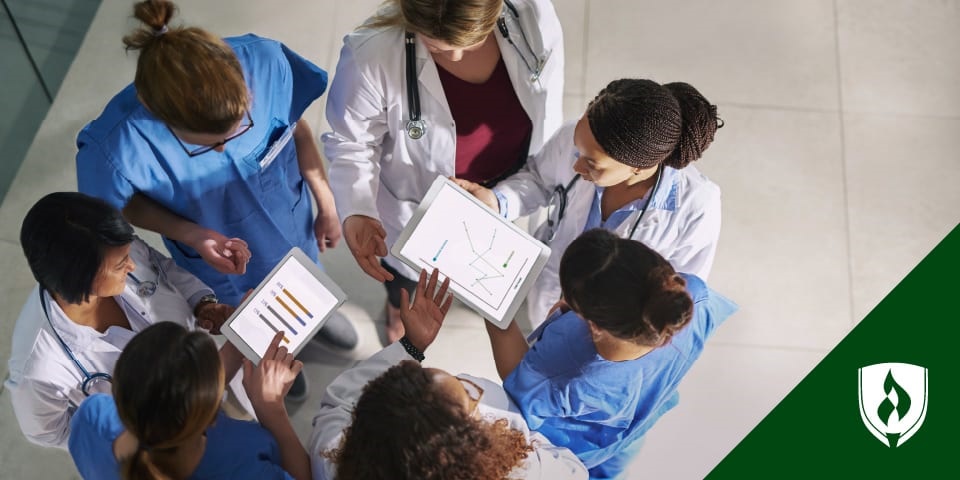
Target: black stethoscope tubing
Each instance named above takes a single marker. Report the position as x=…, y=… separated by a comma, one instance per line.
x=88, y=378
x=416, y=127
x=564, y=191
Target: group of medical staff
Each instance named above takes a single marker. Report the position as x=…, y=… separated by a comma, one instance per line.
x=208, y=147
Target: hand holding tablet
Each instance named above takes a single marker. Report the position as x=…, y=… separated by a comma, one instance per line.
x=295, y=298
x=491, y=263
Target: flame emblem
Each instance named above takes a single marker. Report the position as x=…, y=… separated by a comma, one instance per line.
x=893, y=400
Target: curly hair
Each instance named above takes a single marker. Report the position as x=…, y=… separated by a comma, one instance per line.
x=416, y=431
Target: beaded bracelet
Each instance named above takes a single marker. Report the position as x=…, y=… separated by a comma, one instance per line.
x=412, y=350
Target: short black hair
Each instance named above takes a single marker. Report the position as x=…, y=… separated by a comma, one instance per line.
x=65, y=236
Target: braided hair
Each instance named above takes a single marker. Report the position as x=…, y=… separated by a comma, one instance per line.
x=642, y=124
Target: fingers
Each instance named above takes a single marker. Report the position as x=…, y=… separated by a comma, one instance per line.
x=274, y=344
x=370, y=265
x=322, y=243
x=432, y=284
x=442, y=294
x=247, y=369
x=446, y=304
x=404, y=300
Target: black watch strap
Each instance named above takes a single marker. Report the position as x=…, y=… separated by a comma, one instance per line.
x=412, y=350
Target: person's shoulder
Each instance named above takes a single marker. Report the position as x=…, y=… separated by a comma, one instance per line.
x=28, y=334
x=695, y=185
x=696, y=287
x=96, y=417
x=368, y=43
x=540, y=9
x=116, y=115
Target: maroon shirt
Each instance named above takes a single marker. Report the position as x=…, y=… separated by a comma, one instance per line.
x=493, y=130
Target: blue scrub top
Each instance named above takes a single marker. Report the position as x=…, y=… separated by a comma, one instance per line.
x=238, y=193
x=600, y=409
x=665, y=198
x=235, y=449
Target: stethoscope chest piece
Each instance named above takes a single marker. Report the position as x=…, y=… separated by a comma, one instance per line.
x=416, y=129
x=144, y=289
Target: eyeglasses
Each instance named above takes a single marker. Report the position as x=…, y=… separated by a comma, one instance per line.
x=473, y=391
x=206, y=148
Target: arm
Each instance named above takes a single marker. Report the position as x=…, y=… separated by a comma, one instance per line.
x=422, y=320
x=532, y=186
x=509, y=347
x=266, y=385
x=42, y=412
x=327, y=224
x=358, y=121
x=227, y=255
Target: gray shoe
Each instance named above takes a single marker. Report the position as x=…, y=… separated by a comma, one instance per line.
x=338, y=333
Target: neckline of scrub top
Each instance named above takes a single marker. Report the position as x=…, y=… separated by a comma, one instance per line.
x=80, y=338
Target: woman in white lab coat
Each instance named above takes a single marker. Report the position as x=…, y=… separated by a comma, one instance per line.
x=624, y=166
x=389, y=417
x=98, y=285
x=482, y=90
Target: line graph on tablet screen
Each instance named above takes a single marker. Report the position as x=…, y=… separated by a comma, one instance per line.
x=483, y=258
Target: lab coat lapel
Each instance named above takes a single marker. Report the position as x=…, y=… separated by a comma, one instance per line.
x=429, y=79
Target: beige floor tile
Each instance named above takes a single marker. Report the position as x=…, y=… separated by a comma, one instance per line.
x=15, y=285
x=902, y=177
x=20, y=459
x=724, y=396
x=783, y=245
x=573, y=107
x=900, y=56
x=573, y=18
x=754, y=52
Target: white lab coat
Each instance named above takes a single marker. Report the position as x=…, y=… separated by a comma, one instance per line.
x=376, y=169
x=44, y=382
x=546, y=462
x=682, y=222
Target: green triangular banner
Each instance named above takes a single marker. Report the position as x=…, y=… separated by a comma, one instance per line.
x=820, y=430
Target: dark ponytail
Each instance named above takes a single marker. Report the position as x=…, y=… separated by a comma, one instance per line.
x=642, y=124
x=167, y=385
x=624, y=288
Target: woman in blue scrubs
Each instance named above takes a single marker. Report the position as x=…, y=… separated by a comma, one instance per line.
x=208, y=148
x=607, y=362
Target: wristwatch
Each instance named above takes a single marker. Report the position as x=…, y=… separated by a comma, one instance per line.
x=208, y=298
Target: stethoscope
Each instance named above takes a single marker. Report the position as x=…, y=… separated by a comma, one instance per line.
x=558, y=202
x=89, y=380
x=416, y=127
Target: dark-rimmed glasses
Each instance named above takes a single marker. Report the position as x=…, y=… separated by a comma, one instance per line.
x=206, y=148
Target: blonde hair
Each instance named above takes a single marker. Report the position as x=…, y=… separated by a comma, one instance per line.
x=458, y=23
x=186, y=76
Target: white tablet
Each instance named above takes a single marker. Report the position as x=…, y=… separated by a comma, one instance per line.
x=296, y=298
x=491, y=262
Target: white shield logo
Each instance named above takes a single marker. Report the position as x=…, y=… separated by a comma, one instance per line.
x=893, y=400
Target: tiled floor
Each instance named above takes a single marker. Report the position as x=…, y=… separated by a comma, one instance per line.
x=838, y=166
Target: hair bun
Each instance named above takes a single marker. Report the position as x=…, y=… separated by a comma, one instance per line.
x=155, y=15
x=669, y=306
x=699, y=124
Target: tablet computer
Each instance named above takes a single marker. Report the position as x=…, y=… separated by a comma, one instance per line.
x=296, y=297
x=491, y=262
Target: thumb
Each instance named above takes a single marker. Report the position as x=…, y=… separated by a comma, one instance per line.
x=404, y=300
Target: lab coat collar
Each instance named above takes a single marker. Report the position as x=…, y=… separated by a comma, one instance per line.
x=666, y=195
x=81, y=338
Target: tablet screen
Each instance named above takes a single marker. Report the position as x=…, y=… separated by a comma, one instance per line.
x=487, y=259
x=291, y=299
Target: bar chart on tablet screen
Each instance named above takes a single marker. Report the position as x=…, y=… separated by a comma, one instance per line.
x=293, y=302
